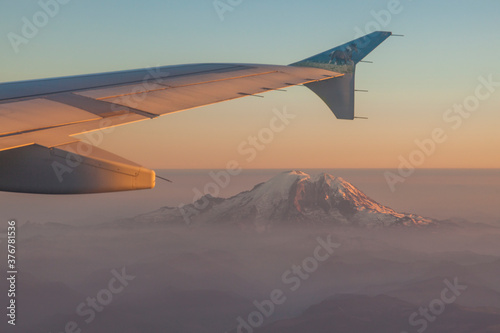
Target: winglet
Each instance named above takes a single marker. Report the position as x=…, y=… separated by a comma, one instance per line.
x=338, y=93
x=339, y=58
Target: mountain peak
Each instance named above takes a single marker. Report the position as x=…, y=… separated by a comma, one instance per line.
x=296, y=197
x=296, y=172
x=330, y=180
x=279, y=186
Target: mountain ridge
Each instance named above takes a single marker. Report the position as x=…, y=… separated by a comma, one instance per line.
x=289, y=197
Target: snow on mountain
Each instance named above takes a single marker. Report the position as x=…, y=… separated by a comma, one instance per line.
x=290, y=197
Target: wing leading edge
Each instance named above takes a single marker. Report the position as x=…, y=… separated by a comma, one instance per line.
x=40, y=119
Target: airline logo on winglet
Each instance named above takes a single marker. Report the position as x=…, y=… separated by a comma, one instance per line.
x=343, y=58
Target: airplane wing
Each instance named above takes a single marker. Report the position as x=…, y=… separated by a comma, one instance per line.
x=39, y=119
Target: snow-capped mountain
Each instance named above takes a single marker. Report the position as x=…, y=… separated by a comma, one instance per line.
x=290, y=197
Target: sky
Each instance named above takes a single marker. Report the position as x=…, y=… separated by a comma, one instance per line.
x=449, y=50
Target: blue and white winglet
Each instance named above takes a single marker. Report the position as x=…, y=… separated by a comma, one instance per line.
x=338, y=93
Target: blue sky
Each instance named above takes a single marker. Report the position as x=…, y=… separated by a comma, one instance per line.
x=413, y=80
x=113, y=35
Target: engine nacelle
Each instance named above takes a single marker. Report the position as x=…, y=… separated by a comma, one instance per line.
x=75, y=168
